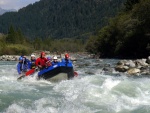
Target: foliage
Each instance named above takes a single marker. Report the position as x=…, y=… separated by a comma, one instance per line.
x=16, y=43
x=127, y=35
x=129, y=4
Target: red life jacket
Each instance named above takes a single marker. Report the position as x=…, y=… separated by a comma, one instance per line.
x=41, y=61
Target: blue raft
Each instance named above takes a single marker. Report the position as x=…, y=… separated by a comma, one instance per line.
x=55, y=70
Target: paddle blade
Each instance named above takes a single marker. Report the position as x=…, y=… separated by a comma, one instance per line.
x=19, y=78
x=31, y=71
x=75, y=74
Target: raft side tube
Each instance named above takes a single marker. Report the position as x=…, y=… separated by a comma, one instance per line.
x=52, y=71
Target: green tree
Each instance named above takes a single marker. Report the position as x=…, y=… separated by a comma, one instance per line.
x=19, y=36
x=11, y=38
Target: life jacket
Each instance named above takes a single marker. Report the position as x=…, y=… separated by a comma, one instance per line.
x=32, y=64
x=54, y=63
x=66, y=61
x=23, y=66
x=41, y=61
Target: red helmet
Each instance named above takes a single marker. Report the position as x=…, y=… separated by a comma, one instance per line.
x=42, y=53
x=66, y=55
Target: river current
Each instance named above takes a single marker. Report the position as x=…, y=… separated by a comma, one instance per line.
x=93, y=91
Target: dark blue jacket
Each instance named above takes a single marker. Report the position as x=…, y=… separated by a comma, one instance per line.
x=23, y=66
x=66, y=61
x=54, y=63
x=31, y=64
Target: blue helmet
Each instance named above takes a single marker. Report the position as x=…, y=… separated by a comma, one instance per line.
x=20, y=58
x=48, y=58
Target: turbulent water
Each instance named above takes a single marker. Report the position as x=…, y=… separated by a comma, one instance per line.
x=93, y=91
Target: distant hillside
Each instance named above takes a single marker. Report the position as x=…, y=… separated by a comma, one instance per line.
x=2, y=11
x=61, y=18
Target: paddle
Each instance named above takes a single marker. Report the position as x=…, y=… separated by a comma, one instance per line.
x=22, y=76
x=31, y=71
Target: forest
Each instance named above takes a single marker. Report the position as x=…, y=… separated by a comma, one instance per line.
x=127, y=35
x=61, y=18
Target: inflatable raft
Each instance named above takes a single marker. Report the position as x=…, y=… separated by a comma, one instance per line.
x=61, y=70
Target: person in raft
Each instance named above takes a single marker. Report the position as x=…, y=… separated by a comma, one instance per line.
x=55, y=61
x=41, y=61
x=66, y=60
x=31, y=64
x=49, y=63
x=22, y=65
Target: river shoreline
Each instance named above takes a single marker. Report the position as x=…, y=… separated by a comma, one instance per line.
x=136, y=67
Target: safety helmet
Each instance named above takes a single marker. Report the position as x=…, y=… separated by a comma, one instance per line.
x=32, y=55
x=55, y=58
x=42, y=53
x=20, y=58
x=48, y=58
x=66, y=55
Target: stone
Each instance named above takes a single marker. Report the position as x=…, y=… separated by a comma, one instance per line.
x=130, y=64
x=148, y=60
x=133, y=71
x=121, y=68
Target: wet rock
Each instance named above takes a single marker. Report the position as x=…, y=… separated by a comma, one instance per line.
x=133, y=71
x=130, y=63
x=141, y=62
x=121, y=62
x=8, y=58
x=148, y=60
x=107, y=69
x=121, y=68
x=134, y=67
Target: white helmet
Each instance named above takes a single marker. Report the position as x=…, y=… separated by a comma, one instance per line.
x=55, y=58
x=33, y=55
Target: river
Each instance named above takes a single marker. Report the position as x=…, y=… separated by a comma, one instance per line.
x=93, y=91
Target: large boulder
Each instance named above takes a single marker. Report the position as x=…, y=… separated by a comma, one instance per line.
x=133, y=71
x=141, y=62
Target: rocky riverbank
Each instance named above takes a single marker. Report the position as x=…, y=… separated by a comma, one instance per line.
x=138, y=67
x=134, y=67
x=16, y=57
x=9, y=58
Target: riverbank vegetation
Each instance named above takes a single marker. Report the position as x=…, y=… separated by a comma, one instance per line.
x=16, y=43
x=127, y=35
